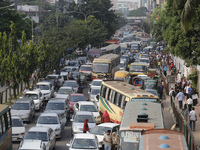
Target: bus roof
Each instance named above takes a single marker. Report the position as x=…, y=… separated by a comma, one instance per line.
x=106, y=58
x=135, y=109
x=126, y=89
x=139, y=63
x=121, y=73
x=157, y=138
x=3, y=108
x=111, y=47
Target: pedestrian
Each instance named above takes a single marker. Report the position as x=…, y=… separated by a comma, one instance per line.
x=160, y=90
x=85, y=126
x=195, y=97
x=56, y=84
x=106, y=117
x=190, y=90
x=25, y=90
x=107, y=140
x=54, y=71
x=180, y=97
x=174, y=127
x=115, y=140
x=159, y=65
x=179, y=77
x=172, y=93
x=165, y=70
x=192, y=118
x=38, y=88
x=186, y=90
x=189, y=103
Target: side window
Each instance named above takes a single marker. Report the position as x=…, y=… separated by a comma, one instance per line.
x=120, y=100
x=1, y=128
x=9, y=119
x=3, y=124
x=102, y=89
x=77, y=105
x=108, y=93
x=113, y=96
x=123, y=102
x=116, y=98
x=116, y=130
x=104, y=92
x=110, y=96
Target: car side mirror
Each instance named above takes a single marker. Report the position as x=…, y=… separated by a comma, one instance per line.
x=68, y=145
x=90, y=84
x=97, y=97
x=71, y=120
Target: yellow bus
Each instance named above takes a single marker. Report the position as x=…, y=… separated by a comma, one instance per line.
x=122, y=75
x=138, y=68
x=105, y=66
x=114, y=95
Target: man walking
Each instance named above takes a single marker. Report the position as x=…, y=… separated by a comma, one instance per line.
x=160, y=90
x=180, y=97
x=192, y=118
x=107, y=139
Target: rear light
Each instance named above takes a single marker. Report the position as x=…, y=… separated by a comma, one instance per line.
x=138, y=95
x=151, y=96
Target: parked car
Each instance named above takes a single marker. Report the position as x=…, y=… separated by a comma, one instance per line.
x=18, y=129
x=46, y=89
x=79, y=119
x=86, y=70
x=37, y=98
x=59, y=106
x=74, y=98
x=64, y=92
x=24, y=108
x=50, y=120
x=55, y=76
x=83, y=142
x=45, y=134
x=32, y=145
x=88, y=106
x=71, y=83
x=101, y=129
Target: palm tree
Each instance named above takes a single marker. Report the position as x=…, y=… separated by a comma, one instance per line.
x=188, y=12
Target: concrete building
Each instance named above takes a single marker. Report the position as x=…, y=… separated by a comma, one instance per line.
x=123, y=8
x=32, y=11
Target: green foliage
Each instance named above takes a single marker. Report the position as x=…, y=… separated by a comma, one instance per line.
x=140, y=12
x=145, y=26
x=194, y=78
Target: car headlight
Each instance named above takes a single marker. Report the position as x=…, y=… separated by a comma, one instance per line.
x=46, y=93
x=57, y=128
x=26, y=115
x=101, y=142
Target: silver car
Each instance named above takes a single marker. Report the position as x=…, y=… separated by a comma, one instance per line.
x=50, y=120
x=45, y=134
x=24, y=108
x=18, y=129
x=93, y=92
x=83, y=142
x=32, y=145
x=71, y=83
x=79, y=119
x=55, y=76
x=64, y=92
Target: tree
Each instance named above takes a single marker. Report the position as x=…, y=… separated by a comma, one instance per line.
x=145, y=26
x=138, y=12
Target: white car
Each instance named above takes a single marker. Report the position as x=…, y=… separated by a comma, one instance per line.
x=93, y=92
x=64, y=92
x=79, y=119
x=18, y=129
x=50, y=120
x=37, y=98
x=84, y=142
x=45, y=134
x=101, y=129
x=46, y=89
x=32, y=145
x=71, y=83
x=55, y=76
x=96, y=83
x=88, y=106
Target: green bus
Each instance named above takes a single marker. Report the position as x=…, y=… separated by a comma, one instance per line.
x=5, y=128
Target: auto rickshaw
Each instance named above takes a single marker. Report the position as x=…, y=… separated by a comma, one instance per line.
x=122, y=75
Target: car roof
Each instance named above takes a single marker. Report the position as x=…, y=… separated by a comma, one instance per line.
x=53, y=75
x=43, y=83
x=86, y=103
x=15, y=117
x=55, y=100
x=24, y=100
x=38, y=129
x=76, y=94
x=83, y=113
x=97, y=80
x=32, y=92
x=31, y=144
x=48, y=114
x=65, y=87
x=108, y=125
x=84, y=136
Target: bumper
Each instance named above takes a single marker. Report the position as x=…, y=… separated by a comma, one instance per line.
x=25, y=118
x=58, y=134
x=37, y=106
x=17, y=137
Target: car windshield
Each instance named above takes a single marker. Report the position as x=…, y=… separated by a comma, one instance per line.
x=17, y=123
x=36, y=136
x=20, y=106
x=76, y=98
x=96, y=83
x=48, y=120
x=66, y=70
x=44, y=87
x=55, y=106
x=137, y=68
x=144, y=60
x=32, y=96
x=153, y=92
x=70, y=84
x=101, y=67
x=84, y=144
x=84, y=68
x=90, y=108
x=51, y=77
x=64, y=91
x=73, y=63
x=99, y=130
x=121, y=65
x=81, y=118
x=95, y=91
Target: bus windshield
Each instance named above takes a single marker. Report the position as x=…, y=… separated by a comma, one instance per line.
x=101, y=67
x=129, y=140
x=137, y=68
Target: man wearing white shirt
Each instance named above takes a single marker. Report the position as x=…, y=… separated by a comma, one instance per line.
x=192, y=118
x=189, y=103
x=186, y=90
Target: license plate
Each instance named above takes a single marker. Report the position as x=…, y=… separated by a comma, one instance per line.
x=14, y=139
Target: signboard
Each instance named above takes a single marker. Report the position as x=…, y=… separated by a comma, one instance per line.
x=171, y=79
x=130, y=136
x=144, y=99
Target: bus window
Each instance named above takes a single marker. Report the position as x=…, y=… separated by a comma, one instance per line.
x=9, y=119
x=123, y=102
x=120, y=100
x=113, y=96
x=103, y=91
x=116, y=99
x=107, y=93
x=110, y=96
x=3, y=124
x=0, y=128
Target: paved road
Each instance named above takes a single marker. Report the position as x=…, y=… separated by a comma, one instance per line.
x=66, y=133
